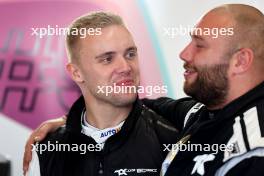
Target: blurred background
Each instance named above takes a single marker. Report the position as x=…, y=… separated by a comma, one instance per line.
x=34, y=85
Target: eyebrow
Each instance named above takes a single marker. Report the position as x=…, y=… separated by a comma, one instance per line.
x=105, y=54
x=109, y=53
x=197, y=37
x=132, y=48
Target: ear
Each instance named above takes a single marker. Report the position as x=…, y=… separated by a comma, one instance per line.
x=75, y=72
x=242, y=61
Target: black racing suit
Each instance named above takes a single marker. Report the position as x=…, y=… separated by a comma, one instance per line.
x=238, y=129
x=137, y=149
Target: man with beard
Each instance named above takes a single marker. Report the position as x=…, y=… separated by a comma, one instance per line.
x=105, y=134
x=222, y=124
x=226, y=75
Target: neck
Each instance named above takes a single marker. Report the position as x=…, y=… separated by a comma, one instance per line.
x=236, y=90
x=103, y=115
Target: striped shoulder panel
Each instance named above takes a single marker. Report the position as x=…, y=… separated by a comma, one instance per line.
x=247, y=133
x=193, y=110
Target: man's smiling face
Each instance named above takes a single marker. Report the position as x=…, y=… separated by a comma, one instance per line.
x=109, y=59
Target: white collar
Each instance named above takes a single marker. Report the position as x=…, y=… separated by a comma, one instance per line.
x=100, y=136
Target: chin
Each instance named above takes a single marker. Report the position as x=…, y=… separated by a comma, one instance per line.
x=188, y=88
x=122, y=99
x=187, y=85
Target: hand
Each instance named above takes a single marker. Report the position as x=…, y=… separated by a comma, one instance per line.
x=38, y=135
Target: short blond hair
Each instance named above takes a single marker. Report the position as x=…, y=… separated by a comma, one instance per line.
x=91, y=20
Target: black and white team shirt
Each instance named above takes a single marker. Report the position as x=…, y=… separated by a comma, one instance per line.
x=228, y=141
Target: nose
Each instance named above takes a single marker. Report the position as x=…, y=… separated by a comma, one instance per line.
x=124, y=66
x=187, y=53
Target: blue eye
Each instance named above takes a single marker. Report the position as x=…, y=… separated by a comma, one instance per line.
x=131, y=54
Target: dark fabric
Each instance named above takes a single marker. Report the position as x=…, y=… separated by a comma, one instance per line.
x=5, y=166
x=250, y=166
x=138, y=145
x=217, y=130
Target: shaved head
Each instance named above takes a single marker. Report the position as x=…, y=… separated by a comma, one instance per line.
x=248, y=23
x=217, y=66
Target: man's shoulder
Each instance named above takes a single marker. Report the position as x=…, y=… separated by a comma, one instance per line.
x=173, y=111
x=164, y=130
x=248, y=131
x=152, y=117
x=253, y=124
x=186, y=102
x=59, y=135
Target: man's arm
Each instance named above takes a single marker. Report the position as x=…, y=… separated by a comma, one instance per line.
x=172, y=110
x=38, y=135
x=34, y=168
